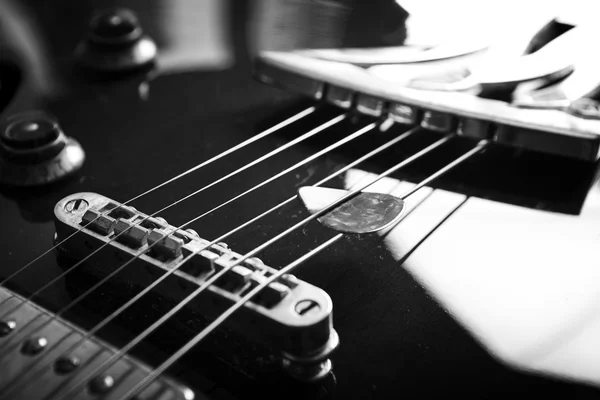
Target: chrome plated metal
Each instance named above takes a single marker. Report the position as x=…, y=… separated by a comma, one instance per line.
x=225, y=153
x=547, y=131
x=551, y=62
x=70, y=205
x=320, y=372
x=585, y=108
x=400, y=54
x=290, y=267
x=243, y=168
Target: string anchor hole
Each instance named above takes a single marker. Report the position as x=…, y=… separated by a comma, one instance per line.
x=76, y=206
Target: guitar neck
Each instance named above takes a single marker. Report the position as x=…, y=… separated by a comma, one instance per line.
x=32, y=352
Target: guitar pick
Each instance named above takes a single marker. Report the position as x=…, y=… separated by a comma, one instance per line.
x=364, y=213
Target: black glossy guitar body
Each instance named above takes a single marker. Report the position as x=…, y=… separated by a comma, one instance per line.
x=397, y=340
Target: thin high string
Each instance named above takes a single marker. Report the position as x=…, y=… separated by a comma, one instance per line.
x=122, y=308
x=288, y=269
x=255, y=251
x=320, y=153
x=223, y=317
x=299, y=139
x=237, y=147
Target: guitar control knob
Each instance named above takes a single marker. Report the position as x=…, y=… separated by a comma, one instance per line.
x=35, y=151
x=115, y=43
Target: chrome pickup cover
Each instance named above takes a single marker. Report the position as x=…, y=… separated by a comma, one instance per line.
x=277, y=319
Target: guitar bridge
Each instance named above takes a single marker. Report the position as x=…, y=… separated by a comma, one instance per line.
x=291, y=318
x=557, y=130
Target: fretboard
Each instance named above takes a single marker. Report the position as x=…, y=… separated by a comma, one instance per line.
x=34, y=363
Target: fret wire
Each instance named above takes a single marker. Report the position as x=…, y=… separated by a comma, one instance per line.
x=203, y=164
x=297, y=140
x=288, y=269
x=122, y=308
x=261, y=247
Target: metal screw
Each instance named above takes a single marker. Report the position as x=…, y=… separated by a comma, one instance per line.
x=307, y=307
x=161, y=219
x=256, y=263
x=76, y=206
x=192, y=232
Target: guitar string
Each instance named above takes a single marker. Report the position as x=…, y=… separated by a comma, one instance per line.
x=203, y=164
x=299, y=139
x=125, y=306
x=189, y=345
x=287, y=269
x=176, y=267
x=268, y=243
x=305, y=161
x=253, y=252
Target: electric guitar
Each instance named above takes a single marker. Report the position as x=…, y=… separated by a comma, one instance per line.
x=400, y=220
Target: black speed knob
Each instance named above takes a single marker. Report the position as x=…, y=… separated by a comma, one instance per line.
x=30, y=133
x=115, y=42
x=115, y=27
x=35, y=151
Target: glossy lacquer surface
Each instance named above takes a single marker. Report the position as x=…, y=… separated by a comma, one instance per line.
x=489, y=275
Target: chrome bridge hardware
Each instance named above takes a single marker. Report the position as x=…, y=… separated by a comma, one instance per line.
x=372, y=92
x=25, y=350
x=302, y=341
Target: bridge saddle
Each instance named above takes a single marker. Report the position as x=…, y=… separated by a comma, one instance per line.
x=278, y=319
